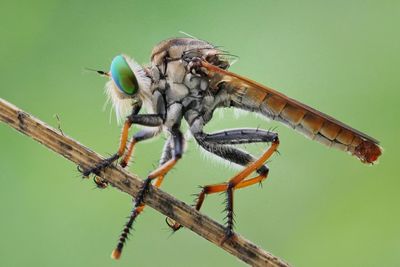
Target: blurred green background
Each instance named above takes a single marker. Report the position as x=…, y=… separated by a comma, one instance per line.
x=319, y=207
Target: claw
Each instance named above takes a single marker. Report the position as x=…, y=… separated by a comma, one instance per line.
x=84, y=173
x=229, y=234
x=100, y=166
x=100, y=183
x=173, y=224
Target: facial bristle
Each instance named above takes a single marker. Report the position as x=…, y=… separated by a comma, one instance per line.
x=122, y=106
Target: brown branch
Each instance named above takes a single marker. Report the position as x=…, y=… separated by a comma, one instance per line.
x=130, y=183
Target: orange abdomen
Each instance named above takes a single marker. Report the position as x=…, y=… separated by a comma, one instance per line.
x=249, y=95
x=311, y=123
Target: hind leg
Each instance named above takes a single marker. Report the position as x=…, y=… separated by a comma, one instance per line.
x=219, y=144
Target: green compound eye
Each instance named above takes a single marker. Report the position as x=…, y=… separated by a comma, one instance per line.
x=123, y=76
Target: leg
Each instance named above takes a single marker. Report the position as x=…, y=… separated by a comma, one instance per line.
x=108, y=161
x=153, y=120
x=136, y=138
x=172, y=153
x=218, y=144
x=240, y=137
x=236, y=180
x=228, y=153
x=237, y=136
x=218, y=188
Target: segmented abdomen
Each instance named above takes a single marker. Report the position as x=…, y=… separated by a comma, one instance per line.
x=308, y=121
x=252, y=96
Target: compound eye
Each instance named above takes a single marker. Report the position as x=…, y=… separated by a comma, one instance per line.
x=123, y=76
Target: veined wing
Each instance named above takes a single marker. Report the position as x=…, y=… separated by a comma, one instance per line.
x=250, y=95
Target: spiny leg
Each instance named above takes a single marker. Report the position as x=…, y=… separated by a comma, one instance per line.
x=136, y=138
x=240, y=136
x=166, y=156
x=237, y=179
x=108, y=161
x=152, y=120
x=221, y=187
x=219, y=144
x=167, y=164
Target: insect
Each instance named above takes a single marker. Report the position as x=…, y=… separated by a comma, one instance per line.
x=188, y=79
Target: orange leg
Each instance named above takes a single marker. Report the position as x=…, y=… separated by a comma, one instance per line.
x=116, y=253
x=163, y=169
x=158, y=173
x=101, y=183
x=217, y=188
x=124, y=137
x=108, y=161
x=237, y=179
x=236, y=182
x=140, y=136
x=128, y=154
x=136, y=138
x=170, y=157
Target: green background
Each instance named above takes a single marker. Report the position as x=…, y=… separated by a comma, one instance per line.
x=319, y=207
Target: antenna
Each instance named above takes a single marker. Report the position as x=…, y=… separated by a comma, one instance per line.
x=101, y=72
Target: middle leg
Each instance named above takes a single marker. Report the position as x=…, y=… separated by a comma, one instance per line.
x=172, y=153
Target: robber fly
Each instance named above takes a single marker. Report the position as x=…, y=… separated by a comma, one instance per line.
x=188, y=79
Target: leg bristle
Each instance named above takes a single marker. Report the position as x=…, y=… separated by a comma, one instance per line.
x=138, y=208
x=229, y=210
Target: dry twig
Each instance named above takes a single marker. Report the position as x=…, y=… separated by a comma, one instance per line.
x=130, y=183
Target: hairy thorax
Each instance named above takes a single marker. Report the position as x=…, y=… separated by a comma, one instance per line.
x=172, y=77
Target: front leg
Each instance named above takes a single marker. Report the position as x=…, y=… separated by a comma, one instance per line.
x=152, y=120
x=140, y=136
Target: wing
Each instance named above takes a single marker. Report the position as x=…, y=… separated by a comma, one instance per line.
x=250, y=95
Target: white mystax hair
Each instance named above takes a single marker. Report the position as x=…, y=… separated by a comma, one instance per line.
x=122, y=103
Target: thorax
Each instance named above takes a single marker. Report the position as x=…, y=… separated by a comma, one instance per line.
x=172, y=78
